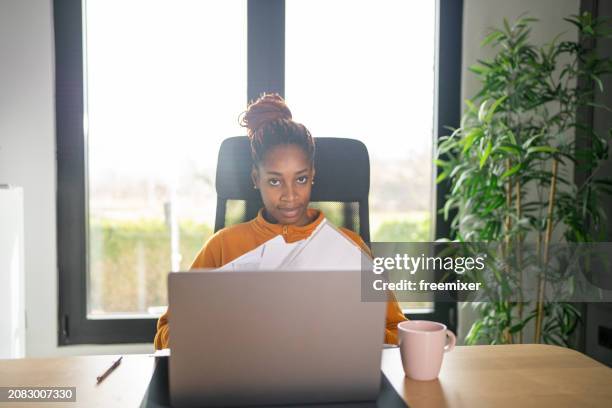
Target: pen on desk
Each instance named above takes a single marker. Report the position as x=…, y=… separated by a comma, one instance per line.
x=110, y=369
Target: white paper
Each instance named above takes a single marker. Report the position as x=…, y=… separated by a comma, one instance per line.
x=268, y=256
x=275, y=251
x=325, y=249
x=250, y=260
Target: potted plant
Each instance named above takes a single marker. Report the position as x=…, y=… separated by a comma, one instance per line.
x=509, y=166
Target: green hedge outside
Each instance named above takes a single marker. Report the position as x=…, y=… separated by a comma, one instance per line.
x=130, y=260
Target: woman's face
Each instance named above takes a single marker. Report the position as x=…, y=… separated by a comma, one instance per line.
x=284, y=178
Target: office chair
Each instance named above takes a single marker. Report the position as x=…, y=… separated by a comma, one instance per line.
x=342, y=183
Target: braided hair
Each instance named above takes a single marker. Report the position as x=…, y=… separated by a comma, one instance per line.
x=269, y=123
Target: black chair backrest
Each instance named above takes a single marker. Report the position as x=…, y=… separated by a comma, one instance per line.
x=342, y=183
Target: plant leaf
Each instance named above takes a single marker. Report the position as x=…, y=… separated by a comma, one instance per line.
x=469, y=140
x=486, y=154
x=491, y=37
x=542, y=149
x=470, y=105
x=493, y=108
x=441, y=176
x=481, y=111
x=511, y=171
x=447, y=206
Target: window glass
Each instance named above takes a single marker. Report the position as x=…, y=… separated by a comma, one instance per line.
x=364, y=69
x=165, y=80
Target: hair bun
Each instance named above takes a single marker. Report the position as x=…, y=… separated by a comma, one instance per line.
x=266, y=109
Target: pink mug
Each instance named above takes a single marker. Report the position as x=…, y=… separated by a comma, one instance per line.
x=422, y=346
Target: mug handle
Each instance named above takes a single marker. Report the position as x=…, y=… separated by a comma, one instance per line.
x=452, y=341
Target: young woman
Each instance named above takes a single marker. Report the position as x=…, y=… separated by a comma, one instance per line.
x=283, y=172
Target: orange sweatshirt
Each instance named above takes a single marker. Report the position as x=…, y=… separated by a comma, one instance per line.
x=232, y=242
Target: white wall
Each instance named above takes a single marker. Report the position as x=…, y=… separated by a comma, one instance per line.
x=27, y=159
x=12, y=274
x=478, y=17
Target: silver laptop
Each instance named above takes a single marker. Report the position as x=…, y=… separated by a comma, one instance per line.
x=272, y=337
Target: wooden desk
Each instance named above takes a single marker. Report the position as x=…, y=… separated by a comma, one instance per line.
x=526, y=375
x=124, y=387
x=476, y=376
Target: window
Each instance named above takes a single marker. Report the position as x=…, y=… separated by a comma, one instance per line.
x=157, y=98
x=372, y=81
x=156, y=88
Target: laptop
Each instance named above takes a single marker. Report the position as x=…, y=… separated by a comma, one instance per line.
x=272, y=338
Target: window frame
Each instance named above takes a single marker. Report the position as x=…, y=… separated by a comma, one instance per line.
x=447, y=112
x=265, y=72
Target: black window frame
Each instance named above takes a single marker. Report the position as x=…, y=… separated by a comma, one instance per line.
x=265, y=72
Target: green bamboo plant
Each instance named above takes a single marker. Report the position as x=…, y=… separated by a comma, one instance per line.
x=510, y=165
